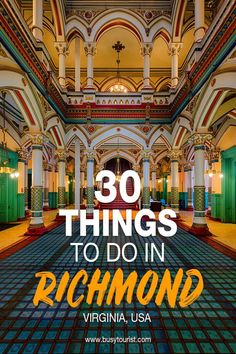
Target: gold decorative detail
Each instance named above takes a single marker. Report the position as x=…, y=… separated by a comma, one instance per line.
x=174, y=48
x=146, y=154
x=90, y=48
x=61, y=48
x=146, y=48
x=175, y=154
x=90, y=154
x=200, y=138
x=37, y=138
x=23, y=154
x=61, y=154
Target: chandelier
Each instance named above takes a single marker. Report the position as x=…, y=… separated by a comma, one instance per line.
x=4, y=158
x=118, y=87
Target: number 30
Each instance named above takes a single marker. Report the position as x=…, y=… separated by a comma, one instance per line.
x=112, y=189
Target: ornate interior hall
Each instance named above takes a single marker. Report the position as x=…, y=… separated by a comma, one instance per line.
x=87, y=86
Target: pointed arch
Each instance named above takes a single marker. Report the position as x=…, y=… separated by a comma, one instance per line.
x=24, y=96
x=163, y=134
x=114, y=132
x=72, y=134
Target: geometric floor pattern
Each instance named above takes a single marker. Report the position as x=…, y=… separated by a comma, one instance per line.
x=206, y=326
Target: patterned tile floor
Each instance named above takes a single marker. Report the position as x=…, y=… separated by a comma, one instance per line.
x=207, y=326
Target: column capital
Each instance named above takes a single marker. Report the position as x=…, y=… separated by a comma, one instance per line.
x=90, y=48
x=214, y=155
x=61, y=154
x=23, y=155
x=61, y=47
x=199, y=139
x=187, y=167
x=174, y=48
x=175, y=154
x=146, y=154
x=45, y=166
x=146, y=48
x=90, y=154
x=153, y=168
x=37, y=138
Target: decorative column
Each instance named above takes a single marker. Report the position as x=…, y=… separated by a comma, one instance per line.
x=208, y=181
x=199, y=20
x=55, y=184
x=51, y=187
x=26, y=188
x=37, y=25
x=188, y=185
x=174, y=156
x=99, y=167
x=216, y=166
x=82, y=181
x=174, y=52
x=209, y=194
x=216, y=206
x=21, y=185
x=146, y=51
x=67, y=188
x=164, y=187
x=77, y=64
x=61, y=179
x=136, y=168
x=146, y=177
x=36, y=226
x=90, y=51
x=154, y=181
x=62, y=52
x=90, y=187
x=199, y=226
x=45, y=186
x=77, y=174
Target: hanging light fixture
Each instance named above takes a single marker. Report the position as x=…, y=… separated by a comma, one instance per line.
x=118, y=87
x=4, y=158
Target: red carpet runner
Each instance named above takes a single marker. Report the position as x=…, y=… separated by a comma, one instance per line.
x=118, y=203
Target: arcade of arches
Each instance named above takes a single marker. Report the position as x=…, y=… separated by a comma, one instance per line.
x=174, y=120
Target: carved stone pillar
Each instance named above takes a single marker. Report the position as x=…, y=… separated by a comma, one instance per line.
x=188, y=185
x=45, y=186
x=90, y=186
x=36, y=226
x=146, y=51
x=174, y=52
x=62, y=52
x=77, y=64
x=146, y=179
x=61, y=178
x=90, y=51
x=154, y=180
x=199, y=226
x=174, y=156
